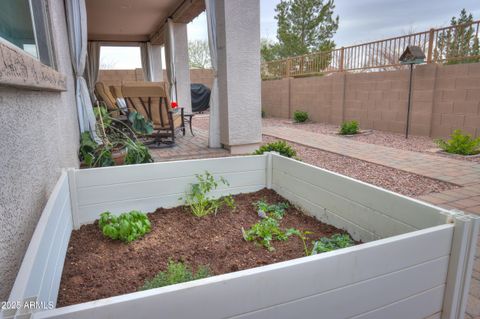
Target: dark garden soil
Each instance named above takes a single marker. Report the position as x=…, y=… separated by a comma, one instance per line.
x=97, y=267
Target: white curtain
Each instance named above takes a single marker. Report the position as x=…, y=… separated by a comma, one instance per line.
x=77, y=37
x=170, y=59
x=145, y=56
x=91, y=69
x=155, y=54
x=214, y=133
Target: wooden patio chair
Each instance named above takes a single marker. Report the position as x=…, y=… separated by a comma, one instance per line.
x=151, y=100
x=104, y=95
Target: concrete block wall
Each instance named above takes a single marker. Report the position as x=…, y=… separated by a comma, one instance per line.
x=115, y=77
x=444, y=98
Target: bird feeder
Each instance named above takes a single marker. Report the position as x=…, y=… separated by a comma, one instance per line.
x=411, y=56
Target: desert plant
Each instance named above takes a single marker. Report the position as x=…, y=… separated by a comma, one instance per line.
x=280, y=147
x=271, y=210
x=198, y=199
x=460, y=143
x=127, y=227
x=349, y=128
x=300, y=116
x=336, y=241
x=176, y=273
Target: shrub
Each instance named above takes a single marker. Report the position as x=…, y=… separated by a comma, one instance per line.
x=337, y=241
x=349, y=128
x=279, y=146
x=300, y=116
x=198, y=200
x=127, y=227
x=176, y=273
x=460, y=143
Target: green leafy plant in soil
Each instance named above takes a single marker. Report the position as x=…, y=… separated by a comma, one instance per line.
x=139, y=124
x=198, y=199
x=460, y=143
x=266, y=231
x=300, y=116
x=334, y=242
x=127, y=227
x=176, y=273
x=349, y=128
x=137, y=153
x=273, y=210
x=280, y=147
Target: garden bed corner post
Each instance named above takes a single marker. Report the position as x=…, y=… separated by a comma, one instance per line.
x=72, y=185
x=269, y=169
x=462, y=256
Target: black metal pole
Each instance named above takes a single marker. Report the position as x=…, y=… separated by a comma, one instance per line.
x=409, y=99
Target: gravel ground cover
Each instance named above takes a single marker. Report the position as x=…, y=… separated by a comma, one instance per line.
x=389, y=178
x=414, y=143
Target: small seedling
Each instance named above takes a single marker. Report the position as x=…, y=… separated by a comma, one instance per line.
x=303, y=236
x=127, y=227
x=275, y=210
x=264, y=232
x=336, y=241
x=176, y=273
x=198, y=199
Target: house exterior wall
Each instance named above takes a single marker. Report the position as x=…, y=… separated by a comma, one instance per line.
x=39, y=137
x=444, y=98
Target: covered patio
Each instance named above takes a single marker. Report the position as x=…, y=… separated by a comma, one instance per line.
x=233, y=27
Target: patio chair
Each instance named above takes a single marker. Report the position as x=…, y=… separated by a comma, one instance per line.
x=151, y=100
x=104, y=95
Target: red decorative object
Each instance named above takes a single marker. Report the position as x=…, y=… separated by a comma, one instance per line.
x=174, y=105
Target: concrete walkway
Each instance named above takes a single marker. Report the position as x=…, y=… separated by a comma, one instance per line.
x=463, y=173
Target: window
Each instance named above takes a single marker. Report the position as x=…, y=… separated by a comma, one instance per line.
x=120, y=58
x=25, y=23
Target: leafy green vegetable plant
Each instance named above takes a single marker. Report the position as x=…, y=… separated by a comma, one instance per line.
x=336, y=241
x=127, y=227
x=275, y=210
x=137, y=153
x=280, y=147
x=349, y=128
x=198, y=199
x=87, y=148
x=300, y=116
x=139, y=124
x=264, y=232
x=176, y=273
x=460, y=143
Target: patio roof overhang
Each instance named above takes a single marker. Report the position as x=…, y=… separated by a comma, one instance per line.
x=137, y=20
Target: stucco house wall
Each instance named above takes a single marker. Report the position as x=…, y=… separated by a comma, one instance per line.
x=38, y=137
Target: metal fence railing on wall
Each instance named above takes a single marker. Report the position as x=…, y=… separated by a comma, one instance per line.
x=454, y=44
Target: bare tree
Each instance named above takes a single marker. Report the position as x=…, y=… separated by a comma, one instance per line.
x=199, y=54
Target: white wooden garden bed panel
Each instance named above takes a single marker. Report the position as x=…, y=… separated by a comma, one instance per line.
x=416, y=261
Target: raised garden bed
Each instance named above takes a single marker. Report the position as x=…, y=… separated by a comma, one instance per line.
x=415, y=260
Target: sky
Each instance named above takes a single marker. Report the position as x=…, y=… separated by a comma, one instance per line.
x=360, y=21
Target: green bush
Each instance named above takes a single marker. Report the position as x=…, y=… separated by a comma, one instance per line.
x=137, y=153
x=280, y=147
x=300, y=116
x=349, y=128
x=127, y=227
x=176, y=273
x=337, y=241
x=460, y=143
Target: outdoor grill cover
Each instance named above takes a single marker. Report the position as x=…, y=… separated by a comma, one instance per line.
x=200, y=97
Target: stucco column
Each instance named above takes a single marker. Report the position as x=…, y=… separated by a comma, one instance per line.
x=182, y=67
x=239, y=83
x=156, y=62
